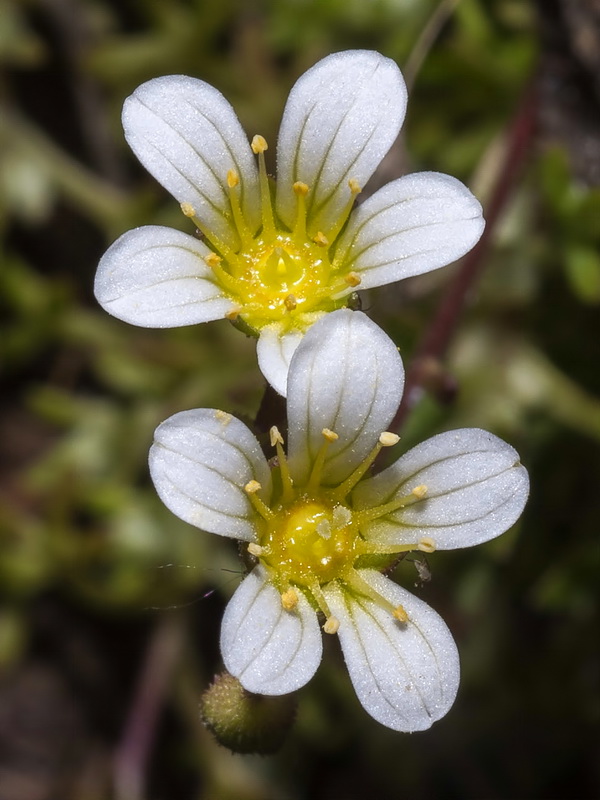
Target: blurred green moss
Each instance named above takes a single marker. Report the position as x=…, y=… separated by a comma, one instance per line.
x=82, y=392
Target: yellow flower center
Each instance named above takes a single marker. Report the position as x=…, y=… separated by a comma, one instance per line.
x=311, y=536
x=311, y=540
x=277, y=275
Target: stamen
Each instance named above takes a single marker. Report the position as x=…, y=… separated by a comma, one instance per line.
x=213, y=261
x=289, y=599
x=427, y=545
x=320, y=600
x=367, y=548
x=259, y=146
x=190, y=212
x=233, y=180
x=386, y=439
x=255, y=549
x=300, y=190
x=233, y=314
x=368, y=514
x=400, y=614
x=251, y=488
x=332, y=625
x=223, y=417
x=286, y=479
x=315, y=475
x=321, y=239
x=355, y=189
x=353, y=279
x=290, y=302
x=275, y=436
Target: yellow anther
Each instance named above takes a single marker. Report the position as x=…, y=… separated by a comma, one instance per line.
x=213, y=260
x=223, y=417
x=400, y=614
x=233, y=314
x=388, y=439
x=251, y=489
x=300, y=189
x=321, y=239
x=259, y=144
x=188, y=209
x=420, y=491
x=355, y=186
x=353, y=279
x=255, y=549
x=290, y=302
x=332, y=625
x=275, y=436
x=426, y=545
x=331, y=436
x=289, y=599
x=232, y=178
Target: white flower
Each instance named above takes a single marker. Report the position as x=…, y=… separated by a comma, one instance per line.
x=278, y=263
x=316, y=525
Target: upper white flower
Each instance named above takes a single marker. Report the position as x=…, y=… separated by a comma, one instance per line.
x=278, y=263
x=318, y=526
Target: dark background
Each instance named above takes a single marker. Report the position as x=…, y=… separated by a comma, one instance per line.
x=111, y=606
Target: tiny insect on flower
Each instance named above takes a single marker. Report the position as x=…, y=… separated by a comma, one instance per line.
x=275, y=258
x=321, y=529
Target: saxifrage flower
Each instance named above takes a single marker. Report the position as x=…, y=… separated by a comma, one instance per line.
x=277, y=259
x=320, y=529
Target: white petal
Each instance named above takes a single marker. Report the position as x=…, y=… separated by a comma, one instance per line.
x=200, y=461
x=476, y=489
x=413, y=225
x=346, y=375
x=406, y=675
x=187, y=135
x=268, y=649
x=275, y=350
x=157, y=278
x=341, y=118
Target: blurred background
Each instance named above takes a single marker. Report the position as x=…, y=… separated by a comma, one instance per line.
x=111, y=606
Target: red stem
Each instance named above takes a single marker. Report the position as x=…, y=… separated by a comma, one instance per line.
x=438, y=336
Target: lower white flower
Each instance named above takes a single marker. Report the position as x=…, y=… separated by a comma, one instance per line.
x=318, y=526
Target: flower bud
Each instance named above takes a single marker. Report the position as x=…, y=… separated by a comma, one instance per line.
x=245, y=722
